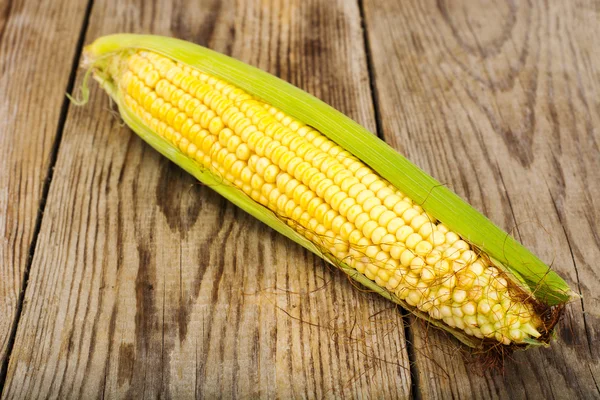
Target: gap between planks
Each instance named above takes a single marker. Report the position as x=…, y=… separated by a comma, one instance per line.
x=415, y=391
x=45, y=189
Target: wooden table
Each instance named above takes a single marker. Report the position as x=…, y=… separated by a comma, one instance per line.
x=120, y=276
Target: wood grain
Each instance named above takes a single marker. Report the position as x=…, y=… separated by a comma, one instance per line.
x=146, y=284
x=498, y=100
x=35, y=66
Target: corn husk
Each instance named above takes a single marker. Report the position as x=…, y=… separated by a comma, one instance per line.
x=520, y=265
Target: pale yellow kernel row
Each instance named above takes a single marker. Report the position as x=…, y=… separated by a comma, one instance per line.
x=326, y=194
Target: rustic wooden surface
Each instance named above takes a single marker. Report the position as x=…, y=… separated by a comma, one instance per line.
x=122, y=277
x=36, y=64
x=501, y=104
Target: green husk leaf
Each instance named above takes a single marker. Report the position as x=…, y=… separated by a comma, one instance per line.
x=437, y=199
x=522, y=266
x=535, y=343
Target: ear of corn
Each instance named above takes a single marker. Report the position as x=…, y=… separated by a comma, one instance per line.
x=238, y=129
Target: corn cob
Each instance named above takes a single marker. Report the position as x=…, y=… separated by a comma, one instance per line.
x=345, y=209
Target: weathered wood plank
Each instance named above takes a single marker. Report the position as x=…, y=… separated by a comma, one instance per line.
x=146, y=284
x=35, y=63
x=499, y=101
